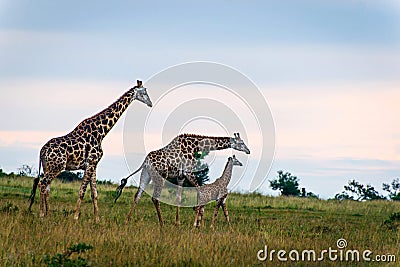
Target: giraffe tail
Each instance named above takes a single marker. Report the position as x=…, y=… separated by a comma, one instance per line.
x=34, y=187
x=124, y=181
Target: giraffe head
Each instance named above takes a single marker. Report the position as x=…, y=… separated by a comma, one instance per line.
x=238, y=144
x=140, y=93
x=235, y=161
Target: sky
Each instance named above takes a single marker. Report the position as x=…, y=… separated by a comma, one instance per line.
x=329, y=71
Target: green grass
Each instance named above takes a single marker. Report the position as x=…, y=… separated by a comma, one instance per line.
x=278, y=222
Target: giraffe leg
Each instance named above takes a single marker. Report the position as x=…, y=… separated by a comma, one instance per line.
x=196, y=216
x=158, y=185
x=144, y=181
x=157, y=205
x=44, y=198
x=93, y=190
x=177, y=217
x=192, y=179
x=44, y=186
x=86, y=179
x=199, y=212
x=177, y=220
x=178, y=200
x=202, y=216
x=41, y=199
x=219, y=203
x=47, y=199
x=226, y=213
x=137, y=197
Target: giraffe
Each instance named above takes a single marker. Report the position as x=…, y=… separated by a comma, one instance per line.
x=218, y=190
x=81, y=150
x=177, y=160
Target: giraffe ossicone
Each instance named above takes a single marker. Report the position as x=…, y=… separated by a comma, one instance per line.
x=81, y=150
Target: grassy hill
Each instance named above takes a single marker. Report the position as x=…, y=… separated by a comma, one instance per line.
x=280, y=223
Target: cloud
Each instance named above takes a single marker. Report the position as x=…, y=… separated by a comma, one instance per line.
x=110, y=56
x=112, y=144
x=53, y=104
x=358, y=120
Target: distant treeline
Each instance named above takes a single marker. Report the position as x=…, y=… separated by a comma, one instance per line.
x=288, y=185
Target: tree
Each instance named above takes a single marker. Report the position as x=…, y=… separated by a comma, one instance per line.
x=393, y=189
x=343, y=196
x=286, y=183
x=67, y=176
x=304, y=193
x=2, y=173
x=26, y=170
x=357, y=191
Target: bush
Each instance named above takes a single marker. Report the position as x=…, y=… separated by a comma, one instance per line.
x=9, y=208
x=67, y=176
x=2, y=173
x=393, y=189
x=357, y=191
x=63, y=259
x=286, y=183
x=108, y=182
x=393, y=223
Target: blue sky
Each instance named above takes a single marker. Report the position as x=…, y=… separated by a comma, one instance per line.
x=328, y=69
x=108, y=41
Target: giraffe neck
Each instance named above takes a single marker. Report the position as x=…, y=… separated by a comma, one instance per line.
x=227, y=174
x=209, y=143
x=100, y=124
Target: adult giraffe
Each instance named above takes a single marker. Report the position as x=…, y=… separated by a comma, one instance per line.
x=81, y=150
x=177, y=160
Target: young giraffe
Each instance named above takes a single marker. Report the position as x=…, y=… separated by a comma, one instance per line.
x=177, y=160
x=218, y=190
x=81, y=150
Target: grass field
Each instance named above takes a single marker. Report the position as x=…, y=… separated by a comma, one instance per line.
x=280, y=223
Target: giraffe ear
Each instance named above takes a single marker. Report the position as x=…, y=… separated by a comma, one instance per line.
x=139, y=83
